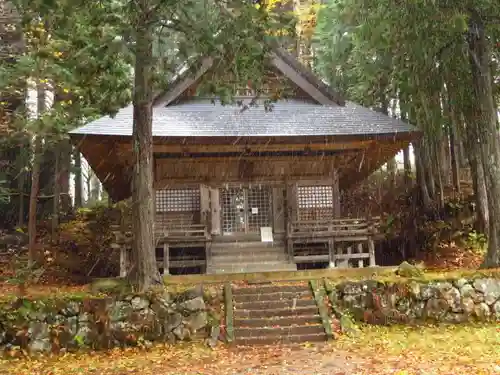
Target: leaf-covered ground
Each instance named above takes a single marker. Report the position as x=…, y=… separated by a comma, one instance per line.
x=453, y=350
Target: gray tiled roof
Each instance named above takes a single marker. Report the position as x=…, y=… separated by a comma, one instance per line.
x=288, y=118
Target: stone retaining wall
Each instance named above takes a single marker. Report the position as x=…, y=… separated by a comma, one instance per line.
x=52, y=325
x=453, y=301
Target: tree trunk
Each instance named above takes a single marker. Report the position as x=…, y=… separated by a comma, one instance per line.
x=479, y=186
x=88, y=178
x=427, y=167
x=78, y=179
x=57, y=190
x=407, y=167
x=146, y=271
x=392, y=167
x=64, y=172
x=485, y=123
x=455, y=171
x=35, y=187
x=406, y=150
x=439, y=172
x=35, y=179
x=95, y=188
x=424, y=192
x=21, y=164
x=444, y=158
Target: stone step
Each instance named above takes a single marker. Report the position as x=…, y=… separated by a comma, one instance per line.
x=254, y=267
x=277, y=296
x=281, y=312
x=281, y=340
x=248, y=332
x=267, y=305
x=270, y=288
x=280, y=321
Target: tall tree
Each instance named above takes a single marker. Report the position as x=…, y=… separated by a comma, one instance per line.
x=146, y=272
x=486, y=127
x=426, y=40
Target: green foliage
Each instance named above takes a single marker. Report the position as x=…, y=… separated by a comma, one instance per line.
x=79, y=340
x=24, y=273
x=477, y=242
x=406, y=50
x=73, y=55
x=4, y=192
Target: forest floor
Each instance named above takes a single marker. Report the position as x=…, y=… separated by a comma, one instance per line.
x=432, y=350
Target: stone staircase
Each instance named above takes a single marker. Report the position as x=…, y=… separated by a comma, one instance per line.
x=269, y=314
x=252, y=256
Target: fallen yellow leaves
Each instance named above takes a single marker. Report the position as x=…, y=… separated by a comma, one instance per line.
x=443, y=350
x=431, y=350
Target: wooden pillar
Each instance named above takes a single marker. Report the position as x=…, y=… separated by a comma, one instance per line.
x=166, y=259
x=291, y=215
x=360, y=251
x=331, y=253
x=205, y=215
x=371, y=251
x=215, y=218
x=336, y=194
x=291, y=202
x=278, y=206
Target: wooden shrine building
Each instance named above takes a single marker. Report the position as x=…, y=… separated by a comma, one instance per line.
x=239, y=188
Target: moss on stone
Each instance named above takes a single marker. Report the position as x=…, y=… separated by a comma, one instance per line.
x=406, y=269
x=115, y=285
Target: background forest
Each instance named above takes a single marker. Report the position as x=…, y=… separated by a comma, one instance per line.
x=433, y=64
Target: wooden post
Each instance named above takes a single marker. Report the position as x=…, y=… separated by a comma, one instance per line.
x=360, y=251
x=331, y=253
x=291, y=202
x=278, y=205
x=371, y=250
x=215, y=220
x=166, y=259
x=289, y=246
x=205, y=213
x=336, y=194
x=208, y=253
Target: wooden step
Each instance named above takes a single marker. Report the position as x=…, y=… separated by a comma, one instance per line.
x=281, y=340
x=266, y=305
x=269, y=297
x=250, y=253
x=277, y=321
x=270, y=288
x=246, y=245
x=225, y=259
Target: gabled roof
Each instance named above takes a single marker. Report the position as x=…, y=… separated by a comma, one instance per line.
x=202, y=118
x=326, y=113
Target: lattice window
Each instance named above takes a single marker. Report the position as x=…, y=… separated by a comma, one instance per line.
x=245, y=210
x=315, y=202
x=259, y=206
x=233, y=210
x=178, y=200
